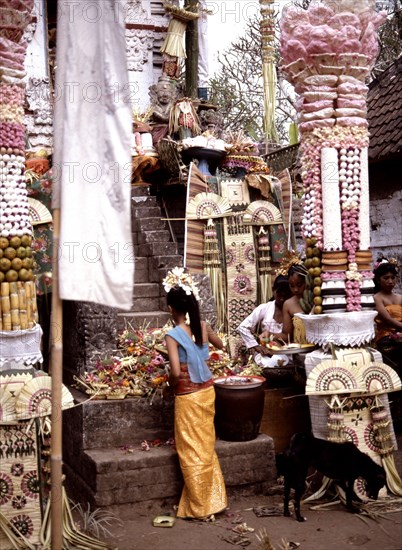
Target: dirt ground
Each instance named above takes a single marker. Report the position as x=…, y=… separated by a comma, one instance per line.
x=332, y=529
x=328, y=528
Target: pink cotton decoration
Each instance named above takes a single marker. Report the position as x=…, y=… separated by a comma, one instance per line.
x=351, y=103
x=318, y=14
x=342, y=19
x=351, y=33
x=323, y=32
x=295, y=49
x=349, y=88
x=310, y=126
x=349, y=46
x=317, y=46
x=351, y=121
x=317, y=105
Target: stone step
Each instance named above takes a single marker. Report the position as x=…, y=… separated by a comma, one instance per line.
x=146, y=290
x=156, y=249
x=158, y=266
x=145, y=304
x=155, y=319
x=158, y=236
x=147, y=224
x=113, y=477
x=146, y=212
x=141, y=272
x=140, y=191
x=144, y=202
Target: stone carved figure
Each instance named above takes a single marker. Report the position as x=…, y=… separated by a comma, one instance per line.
x=163, y=96
x=212, y=121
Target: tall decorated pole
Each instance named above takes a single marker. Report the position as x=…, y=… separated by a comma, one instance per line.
x=18, y=296
x=267, y=29
x=327, y=53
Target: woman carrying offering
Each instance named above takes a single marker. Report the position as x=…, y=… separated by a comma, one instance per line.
x=190, y=379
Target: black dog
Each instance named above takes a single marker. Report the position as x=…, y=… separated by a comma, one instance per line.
x=342, y=462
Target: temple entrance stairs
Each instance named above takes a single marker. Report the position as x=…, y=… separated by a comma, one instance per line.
x=155, y=253
x=103, y=460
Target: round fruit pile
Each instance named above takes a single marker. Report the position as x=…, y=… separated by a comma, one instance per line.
x=314, y=268
x=16, y=261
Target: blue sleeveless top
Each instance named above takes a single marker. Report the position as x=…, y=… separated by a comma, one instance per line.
x=195, y=356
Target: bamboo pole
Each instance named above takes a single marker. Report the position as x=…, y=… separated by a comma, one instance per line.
x=191, y=41
x=56, y=371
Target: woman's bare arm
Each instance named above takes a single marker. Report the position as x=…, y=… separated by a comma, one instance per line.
x=383, y=313
x=213, y=338
x=174, y=362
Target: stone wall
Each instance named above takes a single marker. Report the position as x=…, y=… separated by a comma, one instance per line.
x=386, y=211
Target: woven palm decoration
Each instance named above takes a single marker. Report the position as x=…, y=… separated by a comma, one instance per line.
x=38, y=212
x=10, y=387
x=336, y=423
x=35, y=398
x=207, y=205
x=380, y=378
x=213, y=268
x=264, y=266
x=261, y=213
x=7, y=407
x=330, y=378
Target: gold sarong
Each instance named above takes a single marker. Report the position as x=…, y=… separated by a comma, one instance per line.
x=204, y=490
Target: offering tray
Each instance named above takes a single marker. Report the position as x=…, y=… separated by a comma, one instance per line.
x=291, y=349
x=239, y=382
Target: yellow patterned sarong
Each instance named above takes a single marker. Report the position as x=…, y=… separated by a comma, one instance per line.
x=204, y=490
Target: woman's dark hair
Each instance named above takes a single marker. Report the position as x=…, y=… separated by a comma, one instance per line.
x=298, y=269
x=381, y=270
x=281, y=280
x=186, y=303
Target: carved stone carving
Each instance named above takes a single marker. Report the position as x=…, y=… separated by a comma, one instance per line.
x=90, y=331
x=138, y=43
x=135, y=13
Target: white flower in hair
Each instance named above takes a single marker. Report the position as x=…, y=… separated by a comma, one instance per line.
x=179, y=277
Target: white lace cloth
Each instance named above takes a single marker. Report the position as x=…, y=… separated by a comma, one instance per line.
x=20, y=346
x=353, y=328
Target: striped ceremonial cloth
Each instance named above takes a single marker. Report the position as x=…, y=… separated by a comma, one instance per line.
x=241, y=275
x=194, y=229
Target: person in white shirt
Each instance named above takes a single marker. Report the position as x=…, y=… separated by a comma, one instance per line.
x=266, y=318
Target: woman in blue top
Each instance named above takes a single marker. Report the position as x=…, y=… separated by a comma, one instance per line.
x=204, y=490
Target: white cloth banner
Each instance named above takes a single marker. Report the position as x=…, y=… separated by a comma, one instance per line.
x=92, y=161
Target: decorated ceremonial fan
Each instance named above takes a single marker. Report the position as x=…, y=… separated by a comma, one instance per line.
x=10, y=387
x=261, y=213
x=7, y=407
x=207, y=205
x=35, y=398
x=38, y=213
x=380, y=378
x=330, y=378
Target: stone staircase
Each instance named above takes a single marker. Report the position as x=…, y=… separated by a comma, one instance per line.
x=105, y=466
x=154, y=254
x=103, y=460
